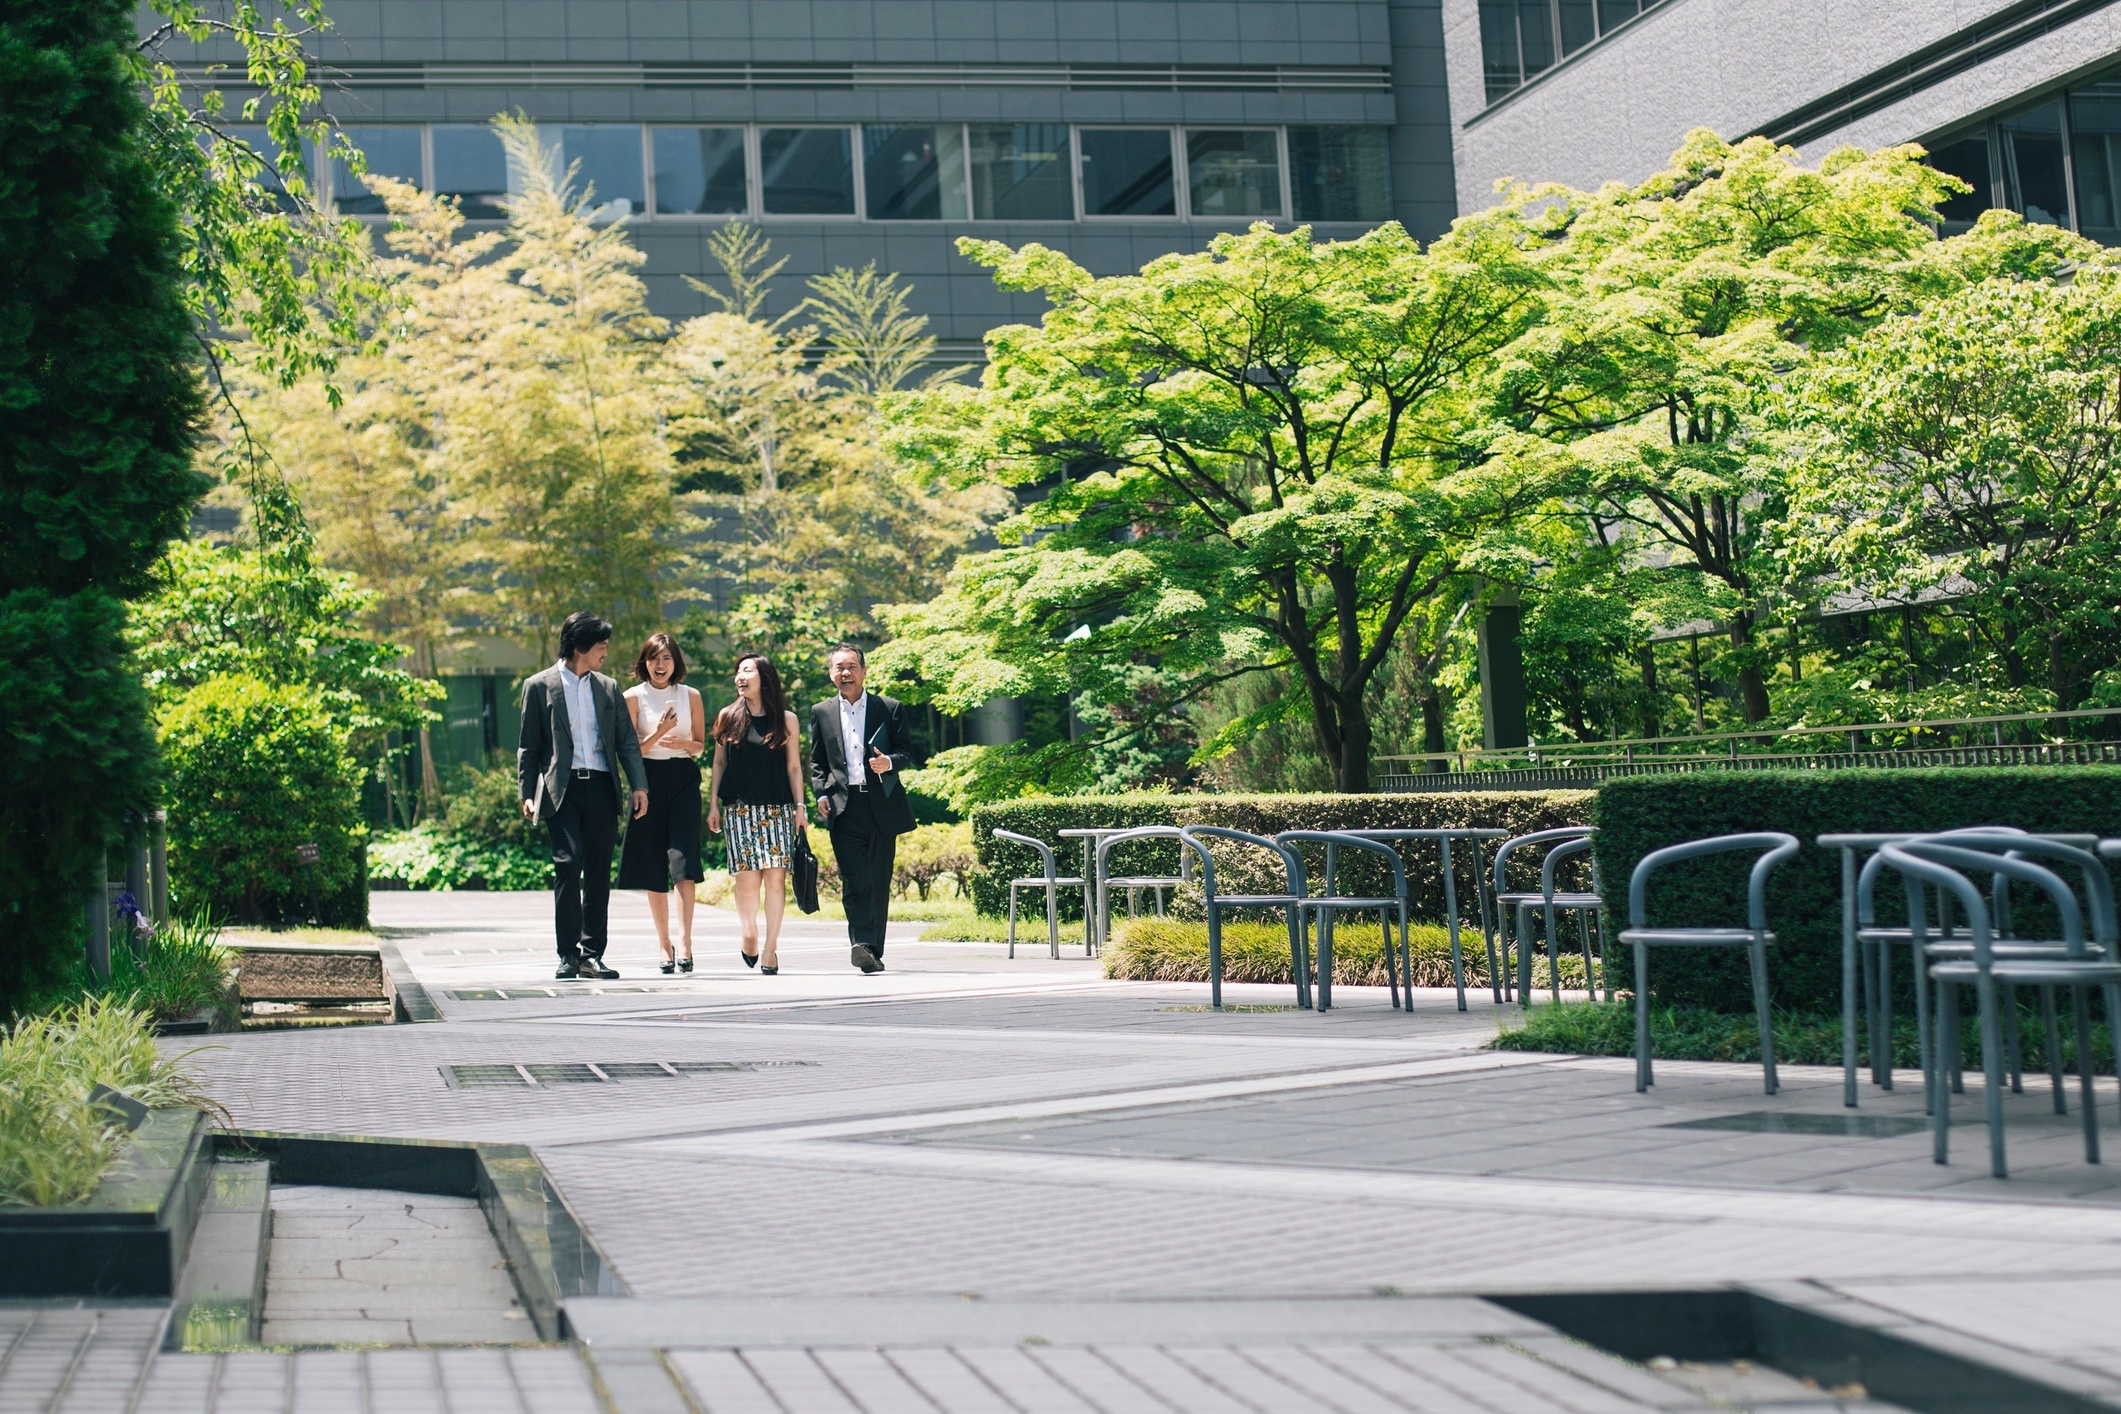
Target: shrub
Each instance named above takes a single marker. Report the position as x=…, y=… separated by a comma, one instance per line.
x=254, y=773
x=424, y=857
x=1044, y=817
x=1168, y=950
x=487, y=809
x=929, y=854
x=54, y=1145
x=1643, y=813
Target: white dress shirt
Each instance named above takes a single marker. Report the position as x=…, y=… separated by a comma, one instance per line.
x=853, y=717
x=582, y=721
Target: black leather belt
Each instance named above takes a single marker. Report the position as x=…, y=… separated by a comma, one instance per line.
x=581, y=775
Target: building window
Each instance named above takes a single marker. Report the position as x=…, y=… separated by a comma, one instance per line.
x=1127, y=172
x=607, y=166
x=1020, y=173
x=699, y=172
x=470, y=165
x=914, y=173
x=1522, y=39
x=1966, y=159
x=1340, y=174
x=2095, y=150
x=390, y=152
x=807, y=171
x=1233, y=174
x=2034, y=179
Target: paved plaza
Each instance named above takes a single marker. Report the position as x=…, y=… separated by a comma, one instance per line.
x=972, y=1183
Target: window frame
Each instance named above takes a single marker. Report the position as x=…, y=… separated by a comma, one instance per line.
x=756, y=173
x=1286, y=216
x=747, y=140
x=1171, y=132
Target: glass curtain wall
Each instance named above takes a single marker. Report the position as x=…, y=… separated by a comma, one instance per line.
x=2056, y=162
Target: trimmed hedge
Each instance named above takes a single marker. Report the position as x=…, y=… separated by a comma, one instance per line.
x=1642, y=813
x=1043, y=817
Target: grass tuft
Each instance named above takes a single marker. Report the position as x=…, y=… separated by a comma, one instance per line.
x=1801, y=1038
x=1168, y=950
x=55, y=1147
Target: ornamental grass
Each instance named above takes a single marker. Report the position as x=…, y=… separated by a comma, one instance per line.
x=1171, y=950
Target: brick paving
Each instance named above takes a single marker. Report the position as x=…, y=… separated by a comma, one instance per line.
x=965, y=1135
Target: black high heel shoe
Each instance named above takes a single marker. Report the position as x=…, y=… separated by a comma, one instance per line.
x=684, y=964
x=669, y=966
x=751, y=959
x=771, y=971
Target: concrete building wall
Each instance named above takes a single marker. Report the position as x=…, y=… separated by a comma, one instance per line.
x=1617, y=109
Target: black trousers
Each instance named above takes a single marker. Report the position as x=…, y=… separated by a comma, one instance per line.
x=585, y=831
x=865, y=851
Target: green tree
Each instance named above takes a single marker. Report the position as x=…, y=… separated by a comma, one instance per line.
x=99, y=406
x=1249, y=455
x=1975, y=446
x=1679, y=303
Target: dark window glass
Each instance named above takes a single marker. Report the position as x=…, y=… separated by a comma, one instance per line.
x=1966, y=159
x=1614, y=13
x=1340, y=174
x=807, y=171
x=1127, y=172
x=2095, y=138
x=1498, y=47
x=2032, y=165
x=1233, y=175
x=1579, y=24
x=914, y=173
x=1020, y=173
x=606, y=160
x=470, y=166
x=261, y=145
x=390, y=152
x=699, y=172
x=1535, y=36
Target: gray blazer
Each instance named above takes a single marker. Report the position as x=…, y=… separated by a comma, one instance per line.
x=546, y=750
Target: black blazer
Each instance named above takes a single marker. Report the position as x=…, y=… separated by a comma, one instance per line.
x=828, y=758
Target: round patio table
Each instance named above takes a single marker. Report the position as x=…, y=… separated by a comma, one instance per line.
x=1096, y=925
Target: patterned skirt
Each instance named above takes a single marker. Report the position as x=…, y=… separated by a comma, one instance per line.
x=761, y=836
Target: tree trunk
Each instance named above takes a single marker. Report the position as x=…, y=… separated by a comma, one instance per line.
x=1652, y=713
x=1752, y=687
x=1693, y=648
x=1432, y=738
x=1351, y=772
x=430, y=781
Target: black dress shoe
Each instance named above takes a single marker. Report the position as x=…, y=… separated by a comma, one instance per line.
x=864, y=959
x=751, y=959
x=669, y=966
x=594, y=967
x=769, y=971
x=567, y=972
x=684, y=964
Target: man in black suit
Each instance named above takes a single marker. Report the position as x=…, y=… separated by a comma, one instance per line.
x=576, y=731
x=858, y=745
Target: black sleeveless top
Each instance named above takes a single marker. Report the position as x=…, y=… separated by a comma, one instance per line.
x=754, y=773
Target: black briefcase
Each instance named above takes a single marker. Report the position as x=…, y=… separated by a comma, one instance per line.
x=805, y=872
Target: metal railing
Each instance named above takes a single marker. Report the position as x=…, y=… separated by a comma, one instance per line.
x=1930, y=741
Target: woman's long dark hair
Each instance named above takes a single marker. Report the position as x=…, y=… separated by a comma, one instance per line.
x=734, y=721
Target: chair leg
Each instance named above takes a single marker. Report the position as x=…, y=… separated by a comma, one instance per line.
x=1053, y=920
x=2054, y=1050
x=1765, y=1015
x=1215, y=957
x=1325, y=959
x=1605, y=953
x=1524, y=955
x=1590, y=968
x=1553, y=957
x=1496, y=976
x=1299, y=959
x=1925, y=1030
x=1406, y=961
x=2013, y=1048
x=1936, y=1093
x=1384, y=922
x=2083, y=999
x=1643, y=1078
x=1956, y=1054
x=2113, y=1021
x=1882, y=1023
x=1992, y=1073
x=1012, y=920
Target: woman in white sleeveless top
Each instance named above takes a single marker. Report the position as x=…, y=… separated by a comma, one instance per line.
x=663, y=846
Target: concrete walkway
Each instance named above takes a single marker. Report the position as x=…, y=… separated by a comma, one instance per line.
x=971, y=1183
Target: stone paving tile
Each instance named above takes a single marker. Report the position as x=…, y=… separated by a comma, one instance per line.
x=370, y=1267
x=522, y=1381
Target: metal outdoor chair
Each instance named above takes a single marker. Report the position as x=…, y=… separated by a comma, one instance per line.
x=1332, y=903
x=1504, y=901
x=1582, y=905
x=2083, y=964
x=1754, y=937
x=1052, y=883
x=1291, y=902
x=1135, y=883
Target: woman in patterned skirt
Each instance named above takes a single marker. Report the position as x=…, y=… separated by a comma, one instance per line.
x=758, y=782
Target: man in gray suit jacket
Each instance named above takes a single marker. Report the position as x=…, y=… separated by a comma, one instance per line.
x=575, y=730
